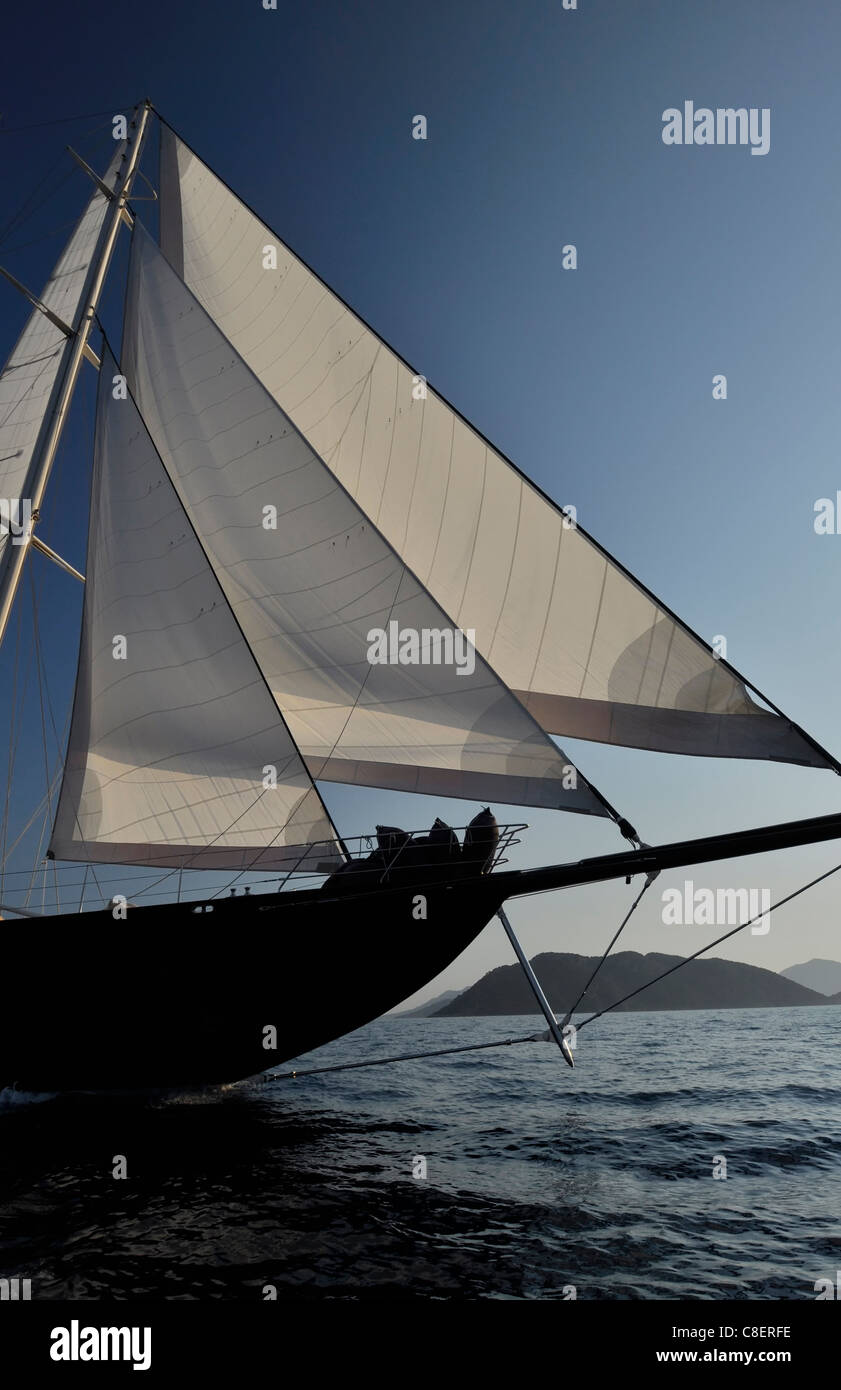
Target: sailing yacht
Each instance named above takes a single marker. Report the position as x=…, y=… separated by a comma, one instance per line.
x=272, y=484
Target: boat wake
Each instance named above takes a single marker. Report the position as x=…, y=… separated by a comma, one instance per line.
x=12, y=1098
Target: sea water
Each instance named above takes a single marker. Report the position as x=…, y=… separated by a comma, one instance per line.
x=689, y=1155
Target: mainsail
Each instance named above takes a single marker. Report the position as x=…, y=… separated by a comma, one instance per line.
x=33, y=372
x=585, y=647
x=177, y=753
x=309, y=578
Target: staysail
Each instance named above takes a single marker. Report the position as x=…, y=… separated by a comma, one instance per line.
x=177, y=755
x=34, y=370
x=310, y=578
x=587, y=649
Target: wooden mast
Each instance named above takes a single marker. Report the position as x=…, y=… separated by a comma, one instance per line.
x=13, y=569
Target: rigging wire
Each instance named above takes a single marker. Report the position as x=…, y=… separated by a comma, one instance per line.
x=17, y=716
x=29, y=207
x=42, y=236
x=787, y=899
x=88, y=434
x=25, y=211
x=84, y=886
x=543, y=1037
x=34, y=661
x=400, y=1057
x=59, y=120
x=623, y=924
x=35, y=656
x=55, y=888
x=38, y=860
x=21, y=873
x=4, y=826
x=19, y=401
x=39, y=662
x=42, y=688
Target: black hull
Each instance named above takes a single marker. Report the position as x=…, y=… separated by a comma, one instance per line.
x=177, y=998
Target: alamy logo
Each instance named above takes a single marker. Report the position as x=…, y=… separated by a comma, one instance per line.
x=724, y=907
x=828, y=516
x=11, y=1289
x=826, y=1289
x=75, y=1343
x=424, y=646
x=724, y=126
x=15, y=518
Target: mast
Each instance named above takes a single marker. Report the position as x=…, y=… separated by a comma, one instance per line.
x=10, y=579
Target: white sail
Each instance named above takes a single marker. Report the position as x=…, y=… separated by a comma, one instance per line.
x=177, y=753
x=34, y=369
x=310, y=579
x=586, y=648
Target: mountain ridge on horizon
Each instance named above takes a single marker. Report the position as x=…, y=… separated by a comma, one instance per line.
x=700, y=984
x=823, y=976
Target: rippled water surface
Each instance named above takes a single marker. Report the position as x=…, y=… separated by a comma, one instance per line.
x=537, y=1177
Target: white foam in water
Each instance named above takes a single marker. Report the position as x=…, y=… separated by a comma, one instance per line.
x=10, y=1099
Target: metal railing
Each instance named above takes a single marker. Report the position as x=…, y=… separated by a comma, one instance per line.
x=408, y=852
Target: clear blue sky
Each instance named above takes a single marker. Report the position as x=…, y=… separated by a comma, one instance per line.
x=544, y=128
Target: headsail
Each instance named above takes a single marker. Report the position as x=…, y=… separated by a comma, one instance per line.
x=309, y=587
x=177, y=753
x=33, y=371
x=586, y=648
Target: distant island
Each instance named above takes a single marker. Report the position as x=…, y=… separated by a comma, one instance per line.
x=700, y=984
x=824, y=976
x=432, y=1005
